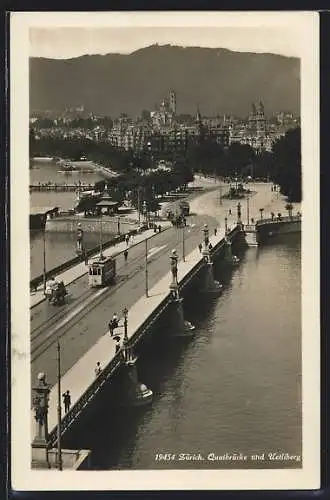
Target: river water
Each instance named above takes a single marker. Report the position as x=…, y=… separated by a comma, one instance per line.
x=235, y=387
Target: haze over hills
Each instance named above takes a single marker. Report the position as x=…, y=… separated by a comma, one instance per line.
x=219, y=80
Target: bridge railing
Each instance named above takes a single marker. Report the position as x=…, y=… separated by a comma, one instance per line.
x=276, y=220
x=86, y=397
x=73, y=414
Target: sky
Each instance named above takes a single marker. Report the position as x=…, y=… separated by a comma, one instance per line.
x=68, y=42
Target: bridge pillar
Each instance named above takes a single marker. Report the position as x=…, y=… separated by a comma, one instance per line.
x=136, y=393
x=210, y=286
x=40, y=441
x=251, y=235
x=179, y=326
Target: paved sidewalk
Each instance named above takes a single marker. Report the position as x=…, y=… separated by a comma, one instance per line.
x=81, y=375
x=80, y=269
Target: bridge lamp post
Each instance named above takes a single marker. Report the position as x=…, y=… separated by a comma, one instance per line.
x=59, y=409
x=226, y=225
x=44, y=260
x=125, y=313
x=101, y=251
x=144, y=208
x=206, y=251
x=40, y=406
x=146, y=267
x=248, y=209
x=239, y=214
x=206, y=236
x=183, y=244
x=174, y=269
x=139, y=204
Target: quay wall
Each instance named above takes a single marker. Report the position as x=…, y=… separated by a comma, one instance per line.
x=269, y=229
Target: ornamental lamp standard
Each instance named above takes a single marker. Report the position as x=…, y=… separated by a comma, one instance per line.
x=146, y=266
x=183, y=243
x=44, y=274
x=125, y=314
x=248, y=209
x=144, y=210
x=59, y=409
x=206, y=236
x=80, y=236
x=226, y=225
x=239, y=213
x=174, y=268
x=40, y=406
x=101, y=242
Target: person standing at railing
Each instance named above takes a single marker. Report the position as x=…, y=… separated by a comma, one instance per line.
x=67, y=401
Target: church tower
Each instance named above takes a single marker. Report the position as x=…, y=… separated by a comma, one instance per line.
x=172, y=101
x=260, y=120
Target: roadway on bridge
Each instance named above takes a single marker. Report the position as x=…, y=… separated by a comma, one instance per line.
x=84, y=318
x=81, y=322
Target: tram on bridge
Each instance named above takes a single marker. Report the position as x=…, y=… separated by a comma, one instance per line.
x=102, y=271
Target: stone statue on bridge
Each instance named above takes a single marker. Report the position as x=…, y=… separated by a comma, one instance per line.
x=40, y=405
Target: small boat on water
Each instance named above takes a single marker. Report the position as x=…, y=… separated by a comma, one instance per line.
x=235, y=260
x=44, y=159
x=67, y=166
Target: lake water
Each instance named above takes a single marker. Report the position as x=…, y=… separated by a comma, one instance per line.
x=60, y=247
x=234, y=388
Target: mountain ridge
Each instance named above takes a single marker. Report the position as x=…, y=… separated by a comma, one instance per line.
x=220, y=80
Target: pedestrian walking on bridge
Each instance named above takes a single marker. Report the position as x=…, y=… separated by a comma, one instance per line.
x=215, y=231
x=67, y=401
x=200, y=246
x=98, y=369
x=125, y=255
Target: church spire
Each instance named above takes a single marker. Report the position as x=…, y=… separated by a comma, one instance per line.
x=198, y=115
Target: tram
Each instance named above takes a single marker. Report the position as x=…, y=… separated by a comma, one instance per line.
x=102, y=271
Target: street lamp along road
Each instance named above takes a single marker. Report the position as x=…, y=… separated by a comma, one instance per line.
x=59, y=409
x=125, y=314
x=44, y=259
x=146, y=267
x=248, y=209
